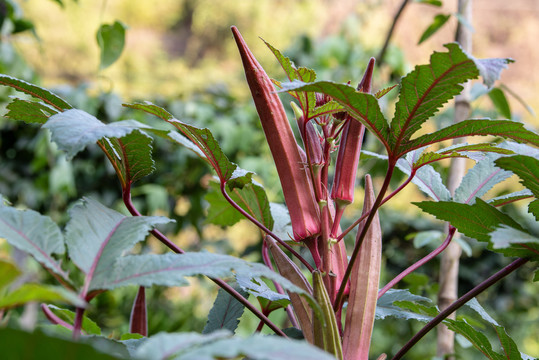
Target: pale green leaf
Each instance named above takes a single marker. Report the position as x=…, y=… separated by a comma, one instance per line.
x=35, y=234
x=30, y=292
x=96, y=236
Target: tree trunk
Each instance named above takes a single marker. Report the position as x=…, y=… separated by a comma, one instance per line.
x=449, y=267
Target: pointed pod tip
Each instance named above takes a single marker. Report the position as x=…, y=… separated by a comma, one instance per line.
x=365, y=85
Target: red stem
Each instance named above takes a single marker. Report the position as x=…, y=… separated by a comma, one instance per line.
x=339, y=300
x=419, y=263
x=263, y=228
x=53, y=318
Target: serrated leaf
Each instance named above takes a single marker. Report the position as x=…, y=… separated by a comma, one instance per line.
x=73, y=130
x=385, y=306
x=380, y=93
x=221, y=345
x=480, y=179
x=437, y=23
x=427, y=88
x=477, y=338
x=505, y=237
x=426, y=178
x=361, y=106
x=171, y=270
x=527, y=169
x=480, y=127
x=30, y=292
x=130, y=156
x=88, y=326
x=307, y=100
x=533, y=208
x=96, y=236
x=111, y=41
x=31, y=112
x=509, y=198
x=209, y=148
x=475, y=221
x=225, y=312
x=19, y=344
x=500, y=102
x=34, y=234
x=35, y=91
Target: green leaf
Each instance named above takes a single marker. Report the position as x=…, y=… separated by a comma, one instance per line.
x=171, y=270
x=221, y=345
x=500, y=102
x=307, y=100
x=387, y=305
x=209, y=148
x=88, y=326
x=526, y=168
x=423, y=238
x=437, y=23
x=8, y=273
x=18, y=344
x=111, y=41
x=96, y=236
x=361, y=106
x=380, y=93
x=35, y=91
x=475, y=221
x=73, y=130
x=130, y=156
x=220, y=212
x=31, y=112
x=533, y=208
x=521, y=243
x=42, y=293
x=225, y=313
x=35, y=234
x=477, y=338
x=480, y=127
x=427, y=88
x=480, y=179
x=437, y=3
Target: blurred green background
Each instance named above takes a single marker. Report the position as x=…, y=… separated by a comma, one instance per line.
x=180, y=54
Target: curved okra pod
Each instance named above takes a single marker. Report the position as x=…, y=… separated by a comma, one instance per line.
x=297, y=189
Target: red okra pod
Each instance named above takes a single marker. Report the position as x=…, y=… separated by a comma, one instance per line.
x=297, y=189
x=342, y=191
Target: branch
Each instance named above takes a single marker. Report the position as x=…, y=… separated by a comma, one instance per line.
x=419, y=263
x=380, y=58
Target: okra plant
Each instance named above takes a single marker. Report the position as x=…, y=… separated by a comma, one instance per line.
x=331, y=291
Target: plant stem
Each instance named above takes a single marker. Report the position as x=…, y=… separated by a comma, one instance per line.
x=229, y=289
x=126, y=196
x=263, y=228
x=459, y=302
x=419, y=263
x=55, y=319
x=77, y=325
x=386, y=199
x=339, y=299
